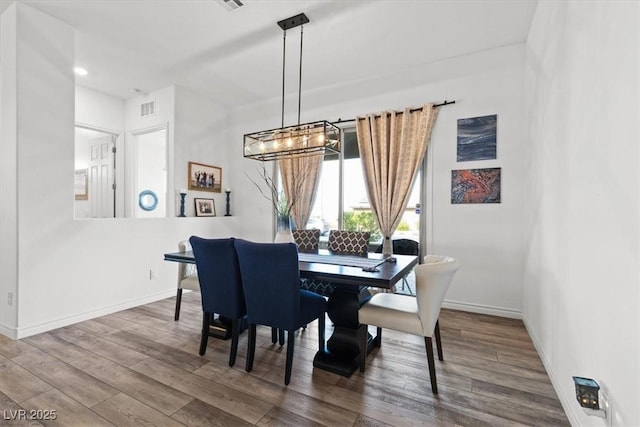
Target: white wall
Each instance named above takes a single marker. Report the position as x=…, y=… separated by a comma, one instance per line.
x=70, y=270
x=581, y=282
x=488, y=238
x=8, y=171
x=205, y=125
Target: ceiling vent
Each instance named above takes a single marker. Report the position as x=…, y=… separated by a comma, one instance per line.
x=148, y=109
x=230, y=5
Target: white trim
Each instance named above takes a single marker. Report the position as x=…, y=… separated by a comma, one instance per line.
x=567, y=403
x=97, y=129
x=483, y=309
x=8, y=332
x=20, y=333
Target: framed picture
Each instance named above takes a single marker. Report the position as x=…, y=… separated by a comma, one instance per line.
x=205, y=177
x=81, y=184
x=475, y=186
x=205, y=207
x=477, y=138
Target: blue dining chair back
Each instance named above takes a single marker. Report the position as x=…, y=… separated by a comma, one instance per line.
x=220, y=286
x=271, y=284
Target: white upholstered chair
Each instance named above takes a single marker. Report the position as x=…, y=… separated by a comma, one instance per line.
x=417, y=316
x=187, y=277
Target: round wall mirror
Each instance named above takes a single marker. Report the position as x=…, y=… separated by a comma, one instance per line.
x=147, y=200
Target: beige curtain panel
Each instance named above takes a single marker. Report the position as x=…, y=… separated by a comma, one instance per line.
x=300, y=179
x=392, y=145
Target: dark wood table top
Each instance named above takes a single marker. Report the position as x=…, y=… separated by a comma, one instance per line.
x=386, y=275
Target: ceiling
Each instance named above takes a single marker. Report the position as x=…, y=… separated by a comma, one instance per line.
x=235, y=57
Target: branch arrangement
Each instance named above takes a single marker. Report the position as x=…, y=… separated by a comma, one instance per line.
x=281, y=204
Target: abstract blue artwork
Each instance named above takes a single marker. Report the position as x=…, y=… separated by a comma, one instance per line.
x=477, y=138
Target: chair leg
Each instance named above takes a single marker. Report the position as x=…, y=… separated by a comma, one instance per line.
x=281, y=337
x=321, y=326
x=363, y=346
x=274, y=335
x=438, y=341
x=206, y=320
x=251, y=347
x=290, y=344
x=405, y=282
x=432, y=364
x=235, y=333
x=378, y=337
x=178, y=302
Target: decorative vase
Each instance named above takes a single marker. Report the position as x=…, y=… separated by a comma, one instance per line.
x=283, y=229
x=387, y=246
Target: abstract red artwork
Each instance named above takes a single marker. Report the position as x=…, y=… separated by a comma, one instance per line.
x=475, y=186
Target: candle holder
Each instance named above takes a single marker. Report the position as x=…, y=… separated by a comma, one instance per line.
x=228, y=203
x=182, y=196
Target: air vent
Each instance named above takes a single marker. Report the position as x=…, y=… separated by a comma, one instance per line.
x=148, y=109
x=230, y=5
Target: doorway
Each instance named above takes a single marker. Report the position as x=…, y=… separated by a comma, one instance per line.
x=95, y=172
x=150, y=173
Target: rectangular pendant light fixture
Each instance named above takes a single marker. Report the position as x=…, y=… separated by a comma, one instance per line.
x=308, y=139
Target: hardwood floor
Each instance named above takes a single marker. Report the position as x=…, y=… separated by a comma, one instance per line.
x=139, y=367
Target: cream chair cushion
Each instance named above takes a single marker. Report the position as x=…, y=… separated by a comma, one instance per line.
x=187, y=273
x=190, y=282
x=397, y=312
x=408, y=314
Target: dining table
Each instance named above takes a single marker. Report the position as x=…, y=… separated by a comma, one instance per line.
x=351, y=277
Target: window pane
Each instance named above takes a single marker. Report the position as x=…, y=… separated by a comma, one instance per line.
x=357, y=215
x=324, y=215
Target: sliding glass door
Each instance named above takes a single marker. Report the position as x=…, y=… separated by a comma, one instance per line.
x=342, y=202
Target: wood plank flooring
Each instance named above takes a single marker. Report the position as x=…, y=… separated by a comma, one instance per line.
x=139, y=367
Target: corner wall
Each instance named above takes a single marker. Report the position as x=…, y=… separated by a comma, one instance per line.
x=65, y=270
x=488, y=239
x=581, y=281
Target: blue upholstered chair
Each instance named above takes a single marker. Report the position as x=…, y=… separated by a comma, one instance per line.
x=271, y=284
x=220, y=287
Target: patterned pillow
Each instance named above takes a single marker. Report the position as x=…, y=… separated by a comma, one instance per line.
x=349, y=242
x=307, y=240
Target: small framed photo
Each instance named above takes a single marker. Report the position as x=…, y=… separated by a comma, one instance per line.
x=81, y=185
x=205, y=177
x=205, y=207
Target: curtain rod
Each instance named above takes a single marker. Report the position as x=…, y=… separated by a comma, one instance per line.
x=442, y=104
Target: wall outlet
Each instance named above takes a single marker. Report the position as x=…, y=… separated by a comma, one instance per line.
x=10, y=298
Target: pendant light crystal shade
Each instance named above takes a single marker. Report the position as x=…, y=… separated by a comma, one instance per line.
x=294, y=141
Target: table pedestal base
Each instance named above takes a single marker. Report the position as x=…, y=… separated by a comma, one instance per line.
x=220, y=328
x=342, y=355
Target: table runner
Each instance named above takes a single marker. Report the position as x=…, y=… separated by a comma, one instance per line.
x=345, y=260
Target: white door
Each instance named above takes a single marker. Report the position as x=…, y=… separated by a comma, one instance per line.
x=101, y=177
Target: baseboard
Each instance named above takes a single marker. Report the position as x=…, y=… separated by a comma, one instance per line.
x=483, y=309
x=8, y=332
x=567, y=402
x=66, y=321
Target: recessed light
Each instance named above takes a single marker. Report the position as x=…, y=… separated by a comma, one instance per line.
x=80, y=71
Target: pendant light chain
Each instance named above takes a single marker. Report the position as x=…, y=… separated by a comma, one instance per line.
x=284, y=57
x=295, y=141
x=300, y=75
